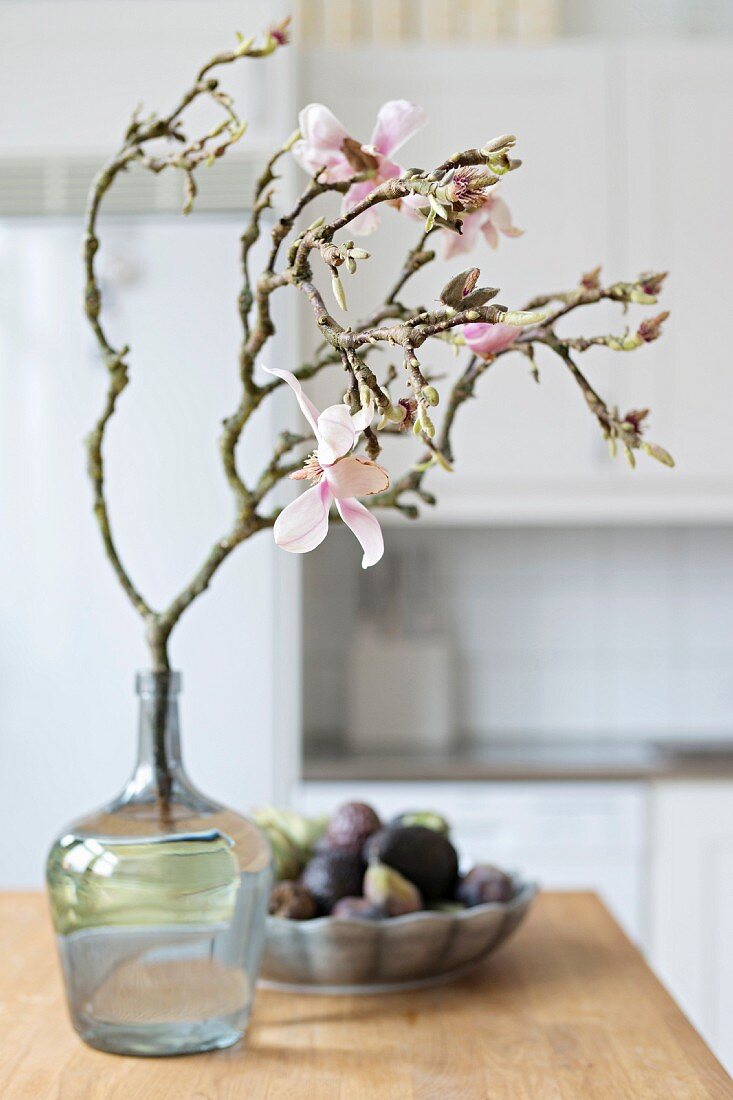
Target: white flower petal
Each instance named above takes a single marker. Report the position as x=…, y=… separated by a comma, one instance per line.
x=303, y=525
x=354, y=476
x=363, y=418
x=310, y=412
x=336, y=434
x=366, y=528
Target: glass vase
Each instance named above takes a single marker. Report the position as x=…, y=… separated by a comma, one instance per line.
x=159, y=902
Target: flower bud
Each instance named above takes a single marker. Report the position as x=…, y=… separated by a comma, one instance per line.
x=657, y=452
x=431, y=395
x=426, y=423
x=642, y=298
x=522, y=317
x=338, y=291
x=506, y=141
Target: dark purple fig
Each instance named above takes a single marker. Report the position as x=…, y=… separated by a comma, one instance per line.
x=484, y=883
x=333, y=875
x=423, y=856
x=350, y=826
x=357, y=907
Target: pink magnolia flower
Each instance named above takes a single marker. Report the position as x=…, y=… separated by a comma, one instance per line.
x=325, y=144
x=486, y=340
x=491, y=219
x=340, y=477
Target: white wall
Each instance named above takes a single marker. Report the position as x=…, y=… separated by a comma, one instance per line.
x=69, y=643
x=604, y=632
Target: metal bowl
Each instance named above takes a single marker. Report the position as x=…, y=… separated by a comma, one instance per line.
x=354, y=955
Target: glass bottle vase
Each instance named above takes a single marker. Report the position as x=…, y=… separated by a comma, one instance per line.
x=159, y=902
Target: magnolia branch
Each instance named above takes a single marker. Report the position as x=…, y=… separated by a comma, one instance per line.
x=442, y=197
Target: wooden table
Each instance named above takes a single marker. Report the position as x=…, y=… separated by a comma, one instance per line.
x=566, y=1010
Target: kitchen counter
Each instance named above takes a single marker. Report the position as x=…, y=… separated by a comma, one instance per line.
x=567, y=1009
x=528, y=760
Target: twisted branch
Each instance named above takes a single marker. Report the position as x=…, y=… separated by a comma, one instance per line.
x=445, y=195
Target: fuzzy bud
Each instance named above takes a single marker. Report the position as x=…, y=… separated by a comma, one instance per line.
x=396, y=413
x=338, y=291
x=426, y=424
x=522, y=317
x=506, y=141
x=651, y=329
x=658, y=453
x=431, y=395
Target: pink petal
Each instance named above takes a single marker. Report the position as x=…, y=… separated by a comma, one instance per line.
x=336, y=434
x=310, y=412
x=455, y=244
x=396, y=122
x=486, y=340
x=368, y=221
x=366, y=528
x=388, y=170
x=354, y=476
x=321, y=129
x=303, y=525
x=501, y=217
x=321, y=144
x=489, y=231
x=413, y=204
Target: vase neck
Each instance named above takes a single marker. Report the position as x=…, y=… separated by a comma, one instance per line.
x=159, y=767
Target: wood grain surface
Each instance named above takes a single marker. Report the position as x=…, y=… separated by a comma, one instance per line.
x=566, y=1010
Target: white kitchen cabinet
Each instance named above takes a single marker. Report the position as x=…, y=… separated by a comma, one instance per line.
x=520, y=441
x=627, y=153
x=679, y=158
x=691, y=926
x=583, y=835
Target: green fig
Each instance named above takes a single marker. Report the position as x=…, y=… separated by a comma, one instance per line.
x=429, y=819
x=286, y=827
x=387, y=889
x=286, y=858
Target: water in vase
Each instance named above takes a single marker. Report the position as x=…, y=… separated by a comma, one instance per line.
x=159, y=908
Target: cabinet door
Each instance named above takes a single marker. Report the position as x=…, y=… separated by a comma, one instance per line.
x=680, y=218
x=692, y=903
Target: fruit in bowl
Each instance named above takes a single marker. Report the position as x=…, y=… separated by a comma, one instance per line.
x=364, y=906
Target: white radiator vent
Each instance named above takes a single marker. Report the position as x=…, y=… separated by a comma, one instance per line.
x=59, y=185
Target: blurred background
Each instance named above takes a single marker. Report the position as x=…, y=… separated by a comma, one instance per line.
x=568, y=621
